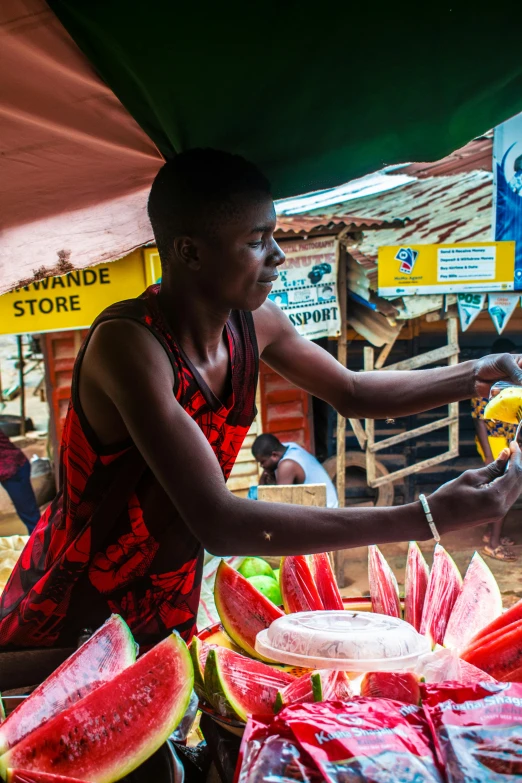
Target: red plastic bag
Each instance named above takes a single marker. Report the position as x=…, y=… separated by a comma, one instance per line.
x=364, y=741
x=271, y=756
x=477, y=730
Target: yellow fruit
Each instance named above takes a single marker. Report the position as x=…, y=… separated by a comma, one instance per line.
x=506, y=406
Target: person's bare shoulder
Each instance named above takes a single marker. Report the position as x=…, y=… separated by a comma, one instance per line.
x=270, y=322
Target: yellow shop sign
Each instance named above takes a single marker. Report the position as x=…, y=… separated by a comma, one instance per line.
x=405, y=270
x=74, y=300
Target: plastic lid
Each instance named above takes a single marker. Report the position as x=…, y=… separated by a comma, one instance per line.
x=351, y=641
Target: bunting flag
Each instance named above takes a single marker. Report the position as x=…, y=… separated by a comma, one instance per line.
x=470, y=307
x=501, y=307
x=95, y=95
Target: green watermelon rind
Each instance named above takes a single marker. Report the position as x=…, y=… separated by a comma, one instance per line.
x=15, y=726
x=217, y=690
x=86, y=708
x=199, y=671
x=2, y=709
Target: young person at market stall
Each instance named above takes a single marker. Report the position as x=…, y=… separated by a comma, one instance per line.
x=163, y=395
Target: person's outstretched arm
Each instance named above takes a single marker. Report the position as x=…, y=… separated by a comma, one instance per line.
x=139, y=384
x=374, y=395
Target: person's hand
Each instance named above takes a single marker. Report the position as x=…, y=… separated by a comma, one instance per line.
x=479, y=496
x=267, y=477
x=493, y=368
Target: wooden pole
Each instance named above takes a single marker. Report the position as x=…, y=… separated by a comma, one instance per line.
x=341, y=421
x=341, y=358
x=22, y=383
x=453, y=408
x=369, y=424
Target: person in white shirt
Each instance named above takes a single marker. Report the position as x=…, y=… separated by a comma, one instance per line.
x=289, y=463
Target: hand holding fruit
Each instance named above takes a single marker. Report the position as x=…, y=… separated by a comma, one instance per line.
x=479, y=496
x=493, y=368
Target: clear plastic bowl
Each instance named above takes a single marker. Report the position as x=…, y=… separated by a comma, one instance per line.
x=350, y=641
x=500, y=386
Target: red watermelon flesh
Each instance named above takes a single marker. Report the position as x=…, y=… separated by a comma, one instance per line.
x=478, y=604
x=514, y=676
x=108, y=652
x=508, y=617
x=500, y=657
x=325, y=581
x=115, y=728
x=470, y=675
x=238, y=686
x=444, y=586
x=31, y=776
x=330, y=685
x=243, y=610
x=498, y=634
x=384, y=590
x=401, y=686
x=298, y=588
x=415, y=585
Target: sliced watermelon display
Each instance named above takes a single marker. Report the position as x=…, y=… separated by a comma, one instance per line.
x=444, y=586
x=30, y=776
x=415, y=585
x=115, y=728
x=478, y=604
x=298, y=588
x=325, y=581
x=401, y=686
x=384, y=590
x=243, y=610
x=108, y=652
x=470, y=675
x=328, y=685
x=498, y=634
x=298, y=692
x=501, y=656
x=238, y=686
x=508, y=617
x=199, y=653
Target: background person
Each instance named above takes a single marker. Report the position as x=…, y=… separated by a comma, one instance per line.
x=15, y=477
x=289, y=463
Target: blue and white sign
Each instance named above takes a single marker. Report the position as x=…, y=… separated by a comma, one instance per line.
x=507, y=173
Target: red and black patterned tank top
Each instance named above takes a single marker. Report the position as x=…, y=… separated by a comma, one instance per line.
x=112, y=541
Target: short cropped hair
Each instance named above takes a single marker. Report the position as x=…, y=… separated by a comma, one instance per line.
x=265, y=444
x=195, y=190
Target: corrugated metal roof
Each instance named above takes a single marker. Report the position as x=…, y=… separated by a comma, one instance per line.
x=478, y=154
x=307, y=224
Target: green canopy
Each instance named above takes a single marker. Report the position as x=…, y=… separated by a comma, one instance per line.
x=317, y=93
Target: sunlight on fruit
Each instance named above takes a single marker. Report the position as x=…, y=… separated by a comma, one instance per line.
x=506, y=406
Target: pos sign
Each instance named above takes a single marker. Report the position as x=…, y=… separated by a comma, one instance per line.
x=74, y=300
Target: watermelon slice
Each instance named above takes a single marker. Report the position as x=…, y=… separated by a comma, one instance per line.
x=115, y=728
x=401, y=686
x=298, y=692
x=31, y=776
x=498, y=634
x=500, y=657
x=508, y=617
x=328, y=685
x=478, y=604
x=325, y=580
x=238, y=686
x=298, y=588
x=471, y=675
x=108, y=652
x=199, y=653
x=415, y=585
x=2, y=710
x=515, y=676
x=243, y=610
x=384, y=590
x=444, y=586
